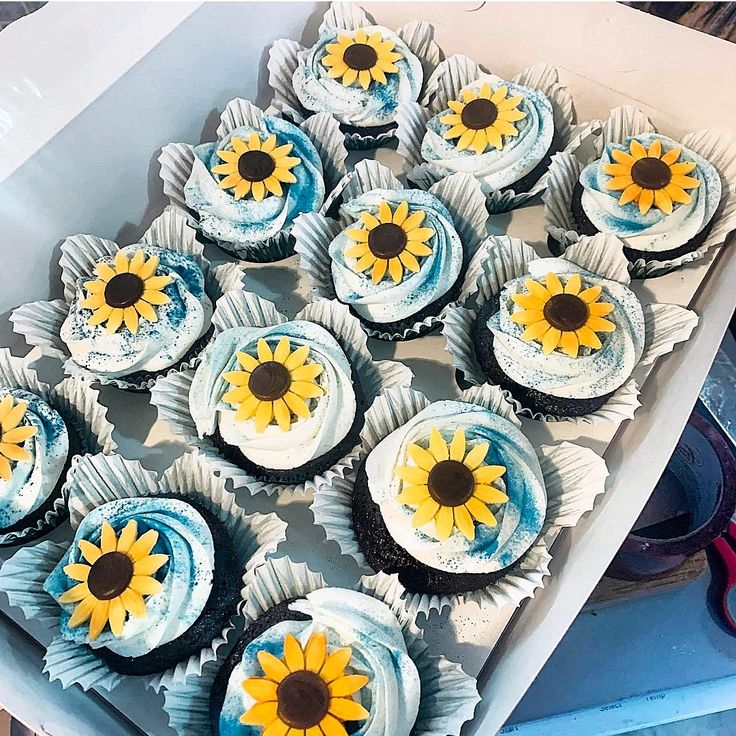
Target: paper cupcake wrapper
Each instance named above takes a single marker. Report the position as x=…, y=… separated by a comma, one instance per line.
x=574, y=476
x=623, y=122
x=170, y=395
x=448, y=695
x=79, y=405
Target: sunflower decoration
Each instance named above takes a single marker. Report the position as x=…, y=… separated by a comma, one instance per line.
x=126, y=292
x=362, y=58
x=391, y=242
x=12, y=436
x=480, y=119
x=649, y=177
x=563, y=317
x=256, y=167
x=114, y=579
x=450, y=484
x=305, y=693
x=274, y=386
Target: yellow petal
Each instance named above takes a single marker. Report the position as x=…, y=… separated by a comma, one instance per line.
x=273, y=185
x=364, y=78
x=488, y=473
x=347, y=709
x=409, y=261
x=130, y=317
x=457, y=445
x=261, y=714
x=489, y=494
x=116, y=616
x=78, y=593
x=622, y=157
x=527, y=301
x=82, y=612
x=444, y=521
x=155, y=297
x=590, y=294
x=315, y=652
x=574, y=284
x=476, y=456
x=671, y=156
x=550, y=340
x=237, y=378
x=347, y=685
x=619, y=183
x=464, y=522
x=527, y=317
x=156, y=283
x=412, y=475
x=13, y=452
x=108, y=541
x=293, y=654
x=263, y=415
x=307, y=372
x=685, y=182
x=358, y=234
x=600, y=325
x=569, y=344
x=105, y=272
x=329, y=726
x=5, y=471
x=145, y=585
x=425, y=513
x=98, y=619
x=297, y=405
x=273, y=667
x=384, y=212
x=379, y=270
x=283, y=350
x=121, y=262
x=536, y=289
x=146, y=311
x=335, y=664
x=396, y=270
x=247, y=409
x=89, y=551
x=480, y=512
x=127, y=537
x=282, y=415
x=587, y=337
x=655, y=149
x=418, y=249
x=364, y=262
x=264, y=351
x=247, y=362
x=553, y=284
x=413, y=495
x=134, y=603
x=306, y=390
x=637, y=150
x=600, y=309
x=143, y=545
x=258, y=188
x=423, y=458
x=13, y=416
x=260, y=688
x=369, y=220
x=536, y=331
x=149, y=565
x=677, y=194
x=646, y=200
x=662, y=201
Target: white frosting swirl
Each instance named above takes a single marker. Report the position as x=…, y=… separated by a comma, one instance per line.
x=353, y=105
x=331, y=415
x=594, y=372
x=388, y=301
x=32, y=481
x=519, y=519
x=496, y=168
x=655, y=231
x=156, y=345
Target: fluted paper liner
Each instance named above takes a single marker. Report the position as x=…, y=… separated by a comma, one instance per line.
x=313, y=233
x=574, y=476
x=170, y=395
x=623, y=122
x=78, y=404
x=448, y=696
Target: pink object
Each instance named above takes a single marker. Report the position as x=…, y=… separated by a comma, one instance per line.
x=726, y=552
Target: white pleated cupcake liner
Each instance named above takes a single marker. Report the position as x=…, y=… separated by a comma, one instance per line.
x=78, y=404
x=622, y=123
x=314, y=232
x=508, y=258
x=574, y=477
x=177, y=160
x=448, y=696
x=96, y=480
x=170, y=395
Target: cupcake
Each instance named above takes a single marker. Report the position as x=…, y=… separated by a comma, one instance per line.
x=563, y=336
x=504, y=133
x=453, y=498
x=129, y=313
x=244, y=190
x=332, y=661
x=42, y=431
x=153, y=578
x=282, y=401
x=357, y=71
x=667, y=201
x=397, y=256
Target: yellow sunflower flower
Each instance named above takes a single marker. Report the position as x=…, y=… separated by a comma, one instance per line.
x=562, y=316
x=11, y=435
x=481, y=119
x=125, y=291
x=113, y=584
x=274, y=385
x=451, y=485
x=390, y=242
x=650, y=177
x=307, y=693
x=362, y=58
x=257, y=167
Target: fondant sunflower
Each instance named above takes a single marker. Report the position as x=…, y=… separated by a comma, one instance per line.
x=305, y=693
x=118, y=575
x=362, y=58
x=274, y=385
x=649, y=177
x=125, y=291
x=11, y=435
x=560, y=316
x=451, y=485
x=256, y=167
x=390, y=242
x=481, y=119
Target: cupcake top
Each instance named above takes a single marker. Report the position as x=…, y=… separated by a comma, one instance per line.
x=347, y=663
x=137, y=575
x=359, y=76
x=34, y=445
x=566, y=331
x=495, y=130
x=651, y=192
x=250, y=185
x=281, y=394
x=400, y=254
x=140, y=310
x=459, y=488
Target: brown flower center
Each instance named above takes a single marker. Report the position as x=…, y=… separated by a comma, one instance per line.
x=360, y=56
x=303, y=699
x=479, y=114
x=386, y=240
x=651, y=173
x=256, y=165
x=110, y=575
x=451, y=483
x=124, y=290
x=269, y=381
x=566, y=312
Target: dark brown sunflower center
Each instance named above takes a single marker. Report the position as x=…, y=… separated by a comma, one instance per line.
x=386, y=240
x=566, y=312
x=360, y=56
x=303, y=699
x=256, y=165
x=269, y=381
x=479, y=114
x=450, y=483
x=110, y=575
x=651, y=173
x=124, y=290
